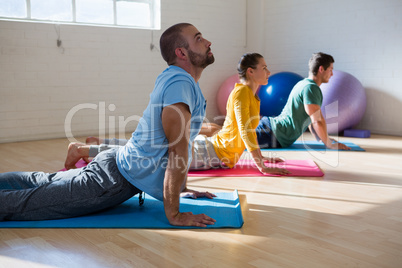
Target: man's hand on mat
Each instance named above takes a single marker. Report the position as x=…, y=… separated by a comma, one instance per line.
x=195, y=194
x=338, y=146
x=189, y=219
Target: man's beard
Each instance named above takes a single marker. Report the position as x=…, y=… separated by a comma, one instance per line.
x=200, y=60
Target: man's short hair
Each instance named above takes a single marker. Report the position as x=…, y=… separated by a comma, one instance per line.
x=319, y=59
x=172, y=39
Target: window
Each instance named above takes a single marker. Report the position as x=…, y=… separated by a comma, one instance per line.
x=119, y=13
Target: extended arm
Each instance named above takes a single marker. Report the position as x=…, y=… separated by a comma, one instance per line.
x=320, y=127
x=244, y=122
x=210, y=129
x=312, y=131
x=259, y=161
x=176, y=124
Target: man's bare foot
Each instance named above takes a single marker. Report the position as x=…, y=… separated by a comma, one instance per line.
x=92, y=140
x=74, y=154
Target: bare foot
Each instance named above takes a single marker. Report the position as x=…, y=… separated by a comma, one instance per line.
x=74, y=154
x=92, y=140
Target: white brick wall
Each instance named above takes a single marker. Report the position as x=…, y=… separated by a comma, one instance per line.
x=365, y=38
x=41, y=83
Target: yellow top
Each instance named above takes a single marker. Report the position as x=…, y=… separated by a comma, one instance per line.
x=238, y=131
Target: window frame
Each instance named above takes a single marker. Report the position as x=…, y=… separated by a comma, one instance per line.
x=154, y=6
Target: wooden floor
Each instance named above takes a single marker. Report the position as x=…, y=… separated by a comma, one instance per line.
x=352, y=217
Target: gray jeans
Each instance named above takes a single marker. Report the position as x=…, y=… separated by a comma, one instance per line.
x=107, y=144
x=65, y=194
x=204, y=155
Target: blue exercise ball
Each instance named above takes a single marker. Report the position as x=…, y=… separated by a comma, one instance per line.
x=275, y=94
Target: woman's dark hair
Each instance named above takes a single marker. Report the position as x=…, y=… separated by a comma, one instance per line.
x=172, y=39
x=248, y=60
x=319, y=59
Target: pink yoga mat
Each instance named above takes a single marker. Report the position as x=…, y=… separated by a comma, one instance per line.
x=81, y=163
x=247, y=168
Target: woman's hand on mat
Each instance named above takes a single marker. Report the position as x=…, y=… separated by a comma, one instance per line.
x=273, y=159
x=274, y=171
x=195, y=194
x=189, y=219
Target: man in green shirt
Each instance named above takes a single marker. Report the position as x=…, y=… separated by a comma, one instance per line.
x=302, y=110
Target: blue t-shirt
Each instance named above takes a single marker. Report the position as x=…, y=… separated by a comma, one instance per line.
x=293, y=120
x=143, y=160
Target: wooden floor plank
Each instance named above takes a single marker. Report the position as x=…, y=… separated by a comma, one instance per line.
x=351, y=217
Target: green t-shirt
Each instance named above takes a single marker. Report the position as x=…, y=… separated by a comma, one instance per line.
x=293, y=120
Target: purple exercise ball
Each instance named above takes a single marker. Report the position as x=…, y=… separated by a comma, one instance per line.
x=344, y=102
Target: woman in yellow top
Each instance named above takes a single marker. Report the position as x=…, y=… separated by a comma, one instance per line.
x=242, y=117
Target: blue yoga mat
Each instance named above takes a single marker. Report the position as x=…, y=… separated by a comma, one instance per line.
x=225, y=209
x=313, y=145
